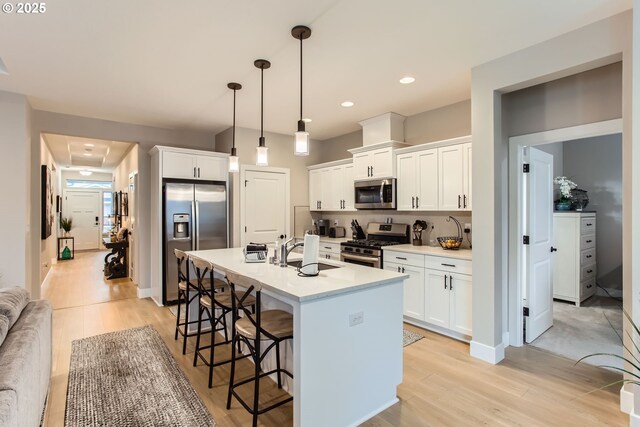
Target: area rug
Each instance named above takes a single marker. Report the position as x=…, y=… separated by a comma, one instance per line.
x=129, y=378
x=409, y=337
x=588, y=329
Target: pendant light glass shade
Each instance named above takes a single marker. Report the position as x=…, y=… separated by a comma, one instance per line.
x=262, y=157
x=301, y=141
x=234, y=160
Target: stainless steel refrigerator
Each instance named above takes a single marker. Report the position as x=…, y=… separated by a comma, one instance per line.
x=194, y=218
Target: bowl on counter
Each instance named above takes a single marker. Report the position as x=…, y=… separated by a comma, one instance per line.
x=450, y=242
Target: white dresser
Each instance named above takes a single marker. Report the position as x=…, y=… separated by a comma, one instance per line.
x=574, y=271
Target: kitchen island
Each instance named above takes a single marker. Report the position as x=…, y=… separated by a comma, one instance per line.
x=347, y=346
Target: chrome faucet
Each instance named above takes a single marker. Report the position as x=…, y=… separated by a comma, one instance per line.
x=285, y=251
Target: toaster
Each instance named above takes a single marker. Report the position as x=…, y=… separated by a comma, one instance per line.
x=337, y=232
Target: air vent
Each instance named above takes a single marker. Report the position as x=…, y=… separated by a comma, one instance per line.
x=3, y=68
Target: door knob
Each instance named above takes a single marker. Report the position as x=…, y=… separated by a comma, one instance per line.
x=554, y=249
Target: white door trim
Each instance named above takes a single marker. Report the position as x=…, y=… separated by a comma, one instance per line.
x=243, y=173
x=516, y=211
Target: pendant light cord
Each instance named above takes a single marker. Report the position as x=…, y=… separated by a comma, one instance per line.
x=234, y=120
x=261, y=101
x=300, y=77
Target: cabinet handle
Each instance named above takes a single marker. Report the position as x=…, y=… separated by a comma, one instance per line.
x=445, y=281
x=448, y=265
x=464, y=198
x=450, y=283
x=399, y=257
x=413, y=200
x=371, y=170
x=417, y=202
x=589, y=271
x=328, y=247
x=589, y=241
x=320, y=204
x=589, y=224
x=398, y=269
x=194, y=172
x=198, y=172
x=368, y=171
x=589, y=286
x=403, y=269
x=589, y=256
x=459, y=200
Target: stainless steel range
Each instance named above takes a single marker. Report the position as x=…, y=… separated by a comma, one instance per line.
x=369, y=251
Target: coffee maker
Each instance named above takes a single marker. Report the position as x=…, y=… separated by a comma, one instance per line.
x=322, y=227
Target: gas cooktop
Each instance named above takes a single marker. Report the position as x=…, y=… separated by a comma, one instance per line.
x=369, y=243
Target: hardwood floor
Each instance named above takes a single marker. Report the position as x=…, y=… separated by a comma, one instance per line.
x=443, y=385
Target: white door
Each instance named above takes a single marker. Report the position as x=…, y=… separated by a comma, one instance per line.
x=265, y=206
x=413, y=290
x=382, y=163
x=348, y=191
x=362, y=166
x=333, y=199
x=407, y=182
x=314, y=190
x=212, y=168
x=450, y=178
x=437, y=298
x=466, y=170
x=427, y=197
x=538, y=255
x=84, y=207
x=178, y=165
x=460, y=292
x=326, y=192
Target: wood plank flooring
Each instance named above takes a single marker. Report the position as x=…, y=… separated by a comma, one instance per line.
x=443, y=385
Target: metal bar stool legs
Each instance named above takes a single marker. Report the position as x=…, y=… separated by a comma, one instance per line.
x=184, y=287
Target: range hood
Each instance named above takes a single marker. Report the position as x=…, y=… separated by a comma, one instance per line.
x=383, y=128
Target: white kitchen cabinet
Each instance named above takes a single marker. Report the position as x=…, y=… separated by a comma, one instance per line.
x=466, y=177
x=448, y=300
x=375, y=161
x=574, y=264
x=413, y=296
x=437, y=295
x=331, y=187
x=460, y=303
x=193, y=166
x=450, y=178
x=417, y=185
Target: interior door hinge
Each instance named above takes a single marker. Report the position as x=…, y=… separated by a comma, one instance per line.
x=525, y=311
x=525, y=240
x=525, y=168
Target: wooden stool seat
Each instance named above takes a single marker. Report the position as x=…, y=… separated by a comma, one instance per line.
x=223, y=300
x=219, y=285
x=278, y=323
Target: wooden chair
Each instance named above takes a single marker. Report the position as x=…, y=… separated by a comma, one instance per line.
x=210, y=301
x=252, y=329
x=184, y=288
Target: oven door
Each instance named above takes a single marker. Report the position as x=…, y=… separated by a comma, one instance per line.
x=367, y=261
x=378, y=194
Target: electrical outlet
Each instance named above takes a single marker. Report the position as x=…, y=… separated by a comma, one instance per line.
x=335, y=222
x=356, y=318
x=467, y=228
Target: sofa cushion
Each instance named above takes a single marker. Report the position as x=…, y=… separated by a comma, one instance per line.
x=8, y=408
x=12, y=302
x=4, y=327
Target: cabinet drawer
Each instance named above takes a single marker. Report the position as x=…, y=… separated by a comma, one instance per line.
x=330, y=247
x=329, y=255
x=587, y=272
x=588, y=241
x=454, y=265
x=588, y=257
x=415, y=260
x=587, y=287
x=587, y=226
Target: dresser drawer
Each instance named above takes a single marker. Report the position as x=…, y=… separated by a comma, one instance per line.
x=587, y=272
x=416, y=260
x=587, y=287
x=588, y=241
x=330, y=247
x=588, y=257
x=454, y=265
x=587, y=226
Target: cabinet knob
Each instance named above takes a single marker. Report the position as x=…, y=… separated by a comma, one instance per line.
x=554, y=249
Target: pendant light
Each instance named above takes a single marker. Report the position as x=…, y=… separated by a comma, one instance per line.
x=301, y=144
x=262, y=159
x=234, y=161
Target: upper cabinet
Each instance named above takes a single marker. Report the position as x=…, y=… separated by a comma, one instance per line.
x=188, y=165
x=435, y=176
x=331, y=186
x=375, y=161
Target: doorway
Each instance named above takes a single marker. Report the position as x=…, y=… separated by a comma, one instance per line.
x=577, y=309
x=85, y=208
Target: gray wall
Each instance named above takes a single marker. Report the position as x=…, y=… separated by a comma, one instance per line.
x=595, y=164
x=145, y=136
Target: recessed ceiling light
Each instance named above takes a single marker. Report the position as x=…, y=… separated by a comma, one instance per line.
x=347, y=104
x=87, y=154
x=89, y=145
x=307, y=120
x=85, y=173
x=407, y=80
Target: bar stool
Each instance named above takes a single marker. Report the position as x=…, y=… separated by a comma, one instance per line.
x=210, y=301
x=252, y=329
x=184, y=286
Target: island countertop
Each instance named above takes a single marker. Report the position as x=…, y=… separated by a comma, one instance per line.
x=430, y=250
x=286, y=282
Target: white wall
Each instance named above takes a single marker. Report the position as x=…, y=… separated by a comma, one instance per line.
x=589, y=47
x=48, y=247
x=595, y=164
x=15, y=228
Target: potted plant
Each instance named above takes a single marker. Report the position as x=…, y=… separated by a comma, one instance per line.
x=566, y=185
x=65, y=224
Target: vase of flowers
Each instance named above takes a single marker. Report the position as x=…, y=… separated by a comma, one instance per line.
x=66, y=224
x=566, y=185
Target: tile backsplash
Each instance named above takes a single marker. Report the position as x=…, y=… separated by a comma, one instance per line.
x=436, y=221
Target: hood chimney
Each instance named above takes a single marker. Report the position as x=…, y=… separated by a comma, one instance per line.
x=383, y=128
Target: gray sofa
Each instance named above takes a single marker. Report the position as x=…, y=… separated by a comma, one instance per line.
x=25, y=357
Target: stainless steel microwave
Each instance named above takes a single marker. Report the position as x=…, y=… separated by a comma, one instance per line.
x=378, y=194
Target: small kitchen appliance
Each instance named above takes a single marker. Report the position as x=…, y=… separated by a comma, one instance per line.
x=337, y=232
x=323, y=227
x=368, y=251
x=376, y=194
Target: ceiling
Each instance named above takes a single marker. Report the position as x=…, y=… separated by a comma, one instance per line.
x=95, y=155
x=167, y=63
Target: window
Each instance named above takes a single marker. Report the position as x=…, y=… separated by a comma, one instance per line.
x=78, y=183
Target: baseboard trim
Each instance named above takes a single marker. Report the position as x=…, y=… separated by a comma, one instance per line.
x=626, y=401
x=487, y=353
x=376, y=411
x=145, y=293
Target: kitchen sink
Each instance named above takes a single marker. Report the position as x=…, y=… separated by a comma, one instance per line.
x=321, y=265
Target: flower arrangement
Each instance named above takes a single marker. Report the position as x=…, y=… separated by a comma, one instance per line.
x=566, y=185
x=66, y=223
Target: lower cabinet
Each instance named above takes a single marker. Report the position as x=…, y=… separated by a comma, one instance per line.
x=440, y=296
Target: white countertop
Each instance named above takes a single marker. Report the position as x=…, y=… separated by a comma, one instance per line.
x=431, y=250
x=286, y=282
x=329, y=239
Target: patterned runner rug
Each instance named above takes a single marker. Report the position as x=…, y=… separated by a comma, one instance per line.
x=129, y=378
x=409, y=337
